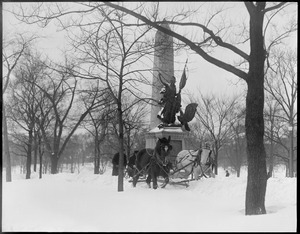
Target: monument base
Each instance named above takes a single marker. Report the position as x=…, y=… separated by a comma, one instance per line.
x=178, y=139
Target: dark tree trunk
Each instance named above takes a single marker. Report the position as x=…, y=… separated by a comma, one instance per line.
x=238, y=158
x=257, y=172
x=121, y=150
x=41, y=161
x=97, y=156
x=54, y=164
x=216, y=164
x=72, y=164
x=271, y=166
x=6, y=147
x=28, y=158
x=286, y=169
x=45, y=168
x=291, y=154
x=97, y=165
x=216, y=155
x=35, y=152
x=238, y=172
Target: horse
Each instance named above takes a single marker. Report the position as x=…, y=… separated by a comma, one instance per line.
x=115, y=162
x=154, y=163
x=199, y=162
x=131, y=164
x=164, y=171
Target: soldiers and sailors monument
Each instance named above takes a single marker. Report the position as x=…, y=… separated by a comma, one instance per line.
x=163, y=121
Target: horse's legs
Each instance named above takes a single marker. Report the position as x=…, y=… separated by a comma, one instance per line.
x=148, y=180
x=135, y=177
x=154, y=177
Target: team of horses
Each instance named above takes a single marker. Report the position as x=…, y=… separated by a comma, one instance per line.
x=154, y=163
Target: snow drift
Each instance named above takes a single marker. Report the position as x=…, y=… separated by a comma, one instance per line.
x=85, y=202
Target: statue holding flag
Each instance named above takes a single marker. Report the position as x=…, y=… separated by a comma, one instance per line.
x=171, y=104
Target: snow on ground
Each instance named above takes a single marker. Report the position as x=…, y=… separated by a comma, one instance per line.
x=84, y=202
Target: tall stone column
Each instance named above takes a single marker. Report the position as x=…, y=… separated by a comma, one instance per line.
x=164, y=64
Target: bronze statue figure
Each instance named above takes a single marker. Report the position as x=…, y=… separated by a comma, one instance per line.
x=170, y=97
x=171, y=104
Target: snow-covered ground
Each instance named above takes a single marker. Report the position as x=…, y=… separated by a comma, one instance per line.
x=86, y=202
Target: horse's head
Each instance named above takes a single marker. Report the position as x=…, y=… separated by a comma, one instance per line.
x=163, y=148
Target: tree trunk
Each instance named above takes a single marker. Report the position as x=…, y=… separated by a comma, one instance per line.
x=257, y=172
x=291, y=154
x=97, y=165
x=78, y=163
x=254, y=122
x=28, y=158
x=238, y=172
x=41, y=161
x=97, y=156
x=128, y=144
x=54, y=164
x=271, y=166
x=121, y=150
x=216, y=163
x=35, y=152
x=216, y=157
x=6, y=147
x=72, y=164
x=238, y=158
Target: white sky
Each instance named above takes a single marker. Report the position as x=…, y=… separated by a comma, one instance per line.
x=202, y=76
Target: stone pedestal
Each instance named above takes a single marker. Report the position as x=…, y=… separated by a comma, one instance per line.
x=178, y=139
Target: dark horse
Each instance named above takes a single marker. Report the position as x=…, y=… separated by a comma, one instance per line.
x=131, y=164
x=153, y=162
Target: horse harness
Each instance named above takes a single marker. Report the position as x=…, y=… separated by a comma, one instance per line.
x=153, y=159
x=197, y=161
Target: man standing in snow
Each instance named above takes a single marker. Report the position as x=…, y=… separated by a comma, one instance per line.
x=115, y=162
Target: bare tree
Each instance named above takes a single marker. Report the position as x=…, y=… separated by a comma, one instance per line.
x=237, y=138
x=133, y=122
x=197, y=135
x=43, y=120
x=40, y=152
x=60, y=92
x=272, y=112
x=73, y=153
x=216, y=115
x=12, y=51
x=252, y=74
x=97, y=124
x=282, y=86
x=23, y=103
x=108, y=50
x=115, y=52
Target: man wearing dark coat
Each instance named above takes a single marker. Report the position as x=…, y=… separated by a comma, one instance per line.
x=115, y=162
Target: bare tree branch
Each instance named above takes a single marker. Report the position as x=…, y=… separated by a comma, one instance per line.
x=188, y=42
